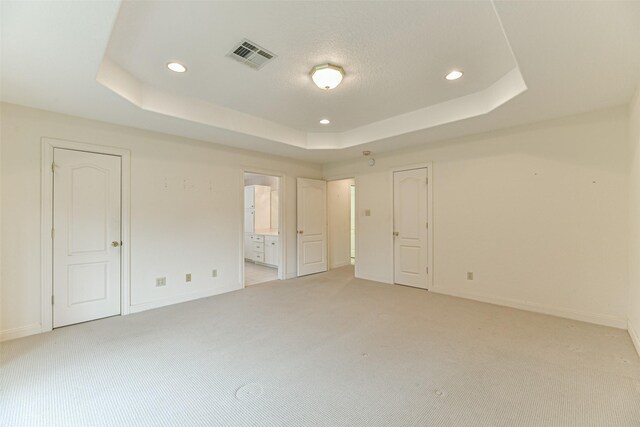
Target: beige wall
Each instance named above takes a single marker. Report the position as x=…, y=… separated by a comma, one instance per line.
x=186, y=214
x=539, y=213
x=634, y=235
x=339, y=222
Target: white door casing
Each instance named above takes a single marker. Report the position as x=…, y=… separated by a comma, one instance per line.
x=312, y=226
x=410, y=227
x=87, y=236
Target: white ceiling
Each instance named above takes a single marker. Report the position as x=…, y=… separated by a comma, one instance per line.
x=573, y=57
x=395, y=56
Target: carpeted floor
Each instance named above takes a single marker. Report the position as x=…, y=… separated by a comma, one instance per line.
x=324, y=350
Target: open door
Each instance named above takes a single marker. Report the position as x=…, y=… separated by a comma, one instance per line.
x=312, y=226
x=86, y=245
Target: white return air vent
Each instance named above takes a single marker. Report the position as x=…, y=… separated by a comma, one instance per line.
x=251, y=54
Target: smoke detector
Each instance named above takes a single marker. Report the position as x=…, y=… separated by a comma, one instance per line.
x=367, y=153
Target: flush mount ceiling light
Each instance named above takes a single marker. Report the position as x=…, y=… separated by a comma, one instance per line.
x=325, y=121
x=454, y=75
x=176, y=67
x=327, y=76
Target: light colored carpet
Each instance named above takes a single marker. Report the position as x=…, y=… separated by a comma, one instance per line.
x=256, y=273
x=324, y=350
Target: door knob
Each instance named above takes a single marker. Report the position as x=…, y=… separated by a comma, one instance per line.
x=115, y=244
x=395, y=233
x=300, y=231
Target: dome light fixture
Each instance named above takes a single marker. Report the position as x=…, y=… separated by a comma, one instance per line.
x=325, y=121
x=176, y=67
x=327, y=76
x=454, y=75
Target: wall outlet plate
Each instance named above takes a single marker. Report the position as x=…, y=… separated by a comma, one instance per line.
x=161, y=281
x=214, y=273
x=188, y=277
x=470, y=275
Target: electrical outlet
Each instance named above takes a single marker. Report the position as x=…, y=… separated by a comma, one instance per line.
x=161, y=281
x=214, y=273
x=367, y=212
x=188, y=277
x=470, y=275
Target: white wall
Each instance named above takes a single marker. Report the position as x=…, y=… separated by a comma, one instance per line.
x=339, y=222
x=186, y=212
x=634, y=235
x=539, y=213
x=260, y=179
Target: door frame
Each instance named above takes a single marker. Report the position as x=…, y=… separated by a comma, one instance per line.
x=431, y=229
x=281, y=219
x=355, y=223
x=353, y=176
x=46, y=225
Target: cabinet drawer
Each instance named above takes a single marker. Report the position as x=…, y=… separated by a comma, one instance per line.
x=257, y=238
x=258, y=247
x=258, y=256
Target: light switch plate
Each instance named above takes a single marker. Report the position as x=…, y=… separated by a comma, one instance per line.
x=161, y=281
x=188, y=277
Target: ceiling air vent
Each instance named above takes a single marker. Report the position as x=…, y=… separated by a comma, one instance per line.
x=251, y=54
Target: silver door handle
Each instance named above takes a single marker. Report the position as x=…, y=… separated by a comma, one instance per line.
x=115, y=244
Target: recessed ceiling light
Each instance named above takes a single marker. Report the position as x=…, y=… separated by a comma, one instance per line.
x=176, y=67
x=325, y=121
x=454, y=75
x=327, y=76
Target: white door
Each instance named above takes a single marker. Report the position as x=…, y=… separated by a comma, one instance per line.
x=312, y=226
x=87, y=234
x=410, y=227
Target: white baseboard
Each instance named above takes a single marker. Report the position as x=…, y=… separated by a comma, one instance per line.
x=598, y=319
x=373, y=278
x=23, y=331
x=635, y=338
x=181, y=298
x=342, y=264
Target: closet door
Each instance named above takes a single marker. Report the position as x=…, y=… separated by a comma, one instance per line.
x=410, y=227
x=86, y=247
